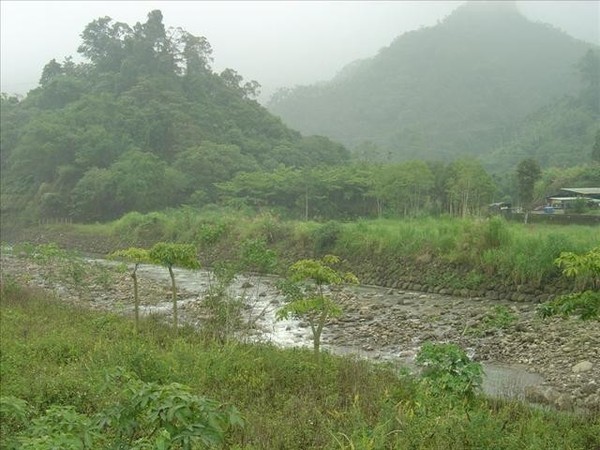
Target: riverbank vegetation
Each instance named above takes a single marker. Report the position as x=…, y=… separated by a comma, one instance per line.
x=467, y=256
x=72, y=367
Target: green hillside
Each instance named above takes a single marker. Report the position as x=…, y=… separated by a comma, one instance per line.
x=143, y=124
x=463, y=87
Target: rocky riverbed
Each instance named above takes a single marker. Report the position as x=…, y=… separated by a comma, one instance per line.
x=552, y=361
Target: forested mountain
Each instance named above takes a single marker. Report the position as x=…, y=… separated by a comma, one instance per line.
x=485, y=80
x=144, y=124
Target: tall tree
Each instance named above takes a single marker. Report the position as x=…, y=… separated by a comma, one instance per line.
x=50, y=71
x=528, y=172
x=104, y=43
x=589, y=70
x=196, y=52
x=468, y=187
x=596, y=148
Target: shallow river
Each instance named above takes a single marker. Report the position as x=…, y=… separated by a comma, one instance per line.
x=262, y=300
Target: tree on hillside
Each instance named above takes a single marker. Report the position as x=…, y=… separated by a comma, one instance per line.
x=50, y=71
x=209, y=163
x=528, y=172
x=596, y=148
x=589, y=70
x=104, y=44
x=404, y=187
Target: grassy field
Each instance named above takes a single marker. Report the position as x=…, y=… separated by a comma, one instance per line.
x=54, y=356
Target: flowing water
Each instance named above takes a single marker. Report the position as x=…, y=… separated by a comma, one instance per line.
x=262, y=299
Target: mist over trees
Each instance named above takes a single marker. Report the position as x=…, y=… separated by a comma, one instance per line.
x=146, y=124
x=485, y=82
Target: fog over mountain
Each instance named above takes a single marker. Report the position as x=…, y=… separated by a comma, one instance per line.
x=462, y=87
x=279, y=44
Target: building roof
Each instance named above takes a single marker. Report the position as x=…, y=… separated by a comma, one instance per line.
x=583, y=191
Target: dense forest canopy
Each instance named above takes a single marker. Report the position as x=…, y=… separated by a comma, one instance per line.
x=485, y=82
x=145, y=124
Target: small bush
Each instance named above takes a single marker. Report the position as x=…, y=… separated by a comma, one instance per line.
x=448, y=368
x=494, y=234
x=325, y=237
x=209, y=233
x=498, y=318
x=585, y=304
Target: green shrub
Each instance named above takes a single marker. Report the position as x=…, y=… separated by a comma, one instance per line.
x=326, y=236
x=583, y=269
x=61, y=427
x=14, y=414
x=448, y=368
x=224, y=309
x=497, y=318
x=494, y=234
x=145, y=415
x=134, y=227
x=170, y=414
x=585, y=304
x=209, y=233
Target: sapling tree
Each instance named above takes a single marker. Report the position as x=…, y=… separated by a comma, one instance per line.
x=584, y=269
x=257, y=259
x=172, y=255
x=310, y=295
x=135, y=256
x=225, y=308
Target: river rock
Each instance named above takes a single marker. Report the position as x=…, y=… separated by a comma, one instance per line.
x=583, y=366
x=399, y=321
x=545, y=395
x=592, y=402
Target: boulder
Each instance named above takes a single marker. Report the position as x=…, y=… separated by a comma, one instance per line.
x=582, y=366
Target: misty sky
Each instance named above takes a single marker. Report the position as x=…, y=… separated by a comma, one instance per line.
x=277, y=43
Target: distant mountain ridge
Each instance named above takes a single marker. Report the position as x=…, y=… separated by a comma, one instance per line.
x=460, y=88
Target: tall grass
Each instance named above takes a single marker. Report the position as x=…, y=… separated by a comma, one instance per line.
x=511, y=252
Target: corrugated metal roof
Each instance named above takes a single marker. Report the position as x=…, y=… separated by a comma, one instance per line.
x=583, y=191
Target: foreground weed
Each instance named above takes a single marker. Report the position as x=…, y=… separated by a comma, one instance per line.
x=448, y=368
x=497, y=318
